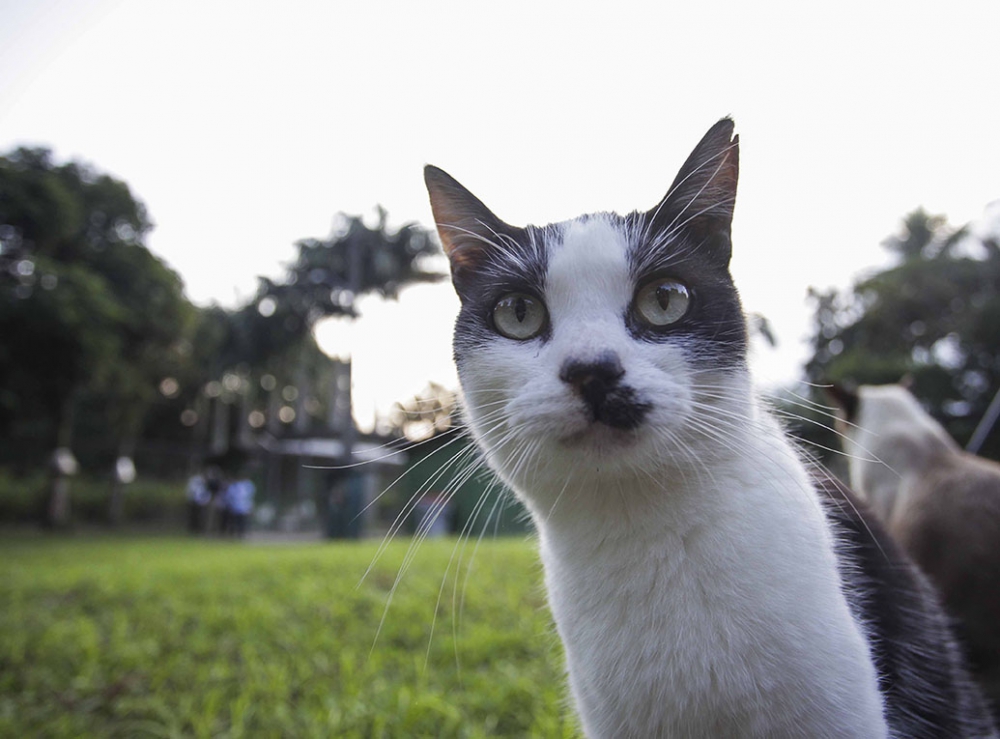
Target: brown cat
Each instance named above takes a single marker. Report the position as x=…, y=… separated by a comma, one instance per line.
x=941, y=503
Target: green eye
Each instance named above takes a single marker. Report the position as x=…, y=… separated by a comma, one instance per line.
x=519, y=316
x=662, y=302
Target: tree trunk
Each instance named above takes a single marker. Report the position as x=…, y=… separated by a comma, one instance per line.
x=124, y=474
x=62, y=465
x=59, y=502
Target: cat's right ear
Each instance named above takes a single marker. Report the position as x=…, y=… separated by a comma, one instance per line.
x=701, y=199
x=468, y=229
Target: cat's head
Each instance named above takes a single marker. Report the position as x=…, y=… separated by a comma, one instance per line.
x=604, y=342
x=886, y=434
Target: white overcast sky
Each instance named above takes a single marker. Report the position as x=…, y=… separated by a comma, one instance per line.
x=245, y=126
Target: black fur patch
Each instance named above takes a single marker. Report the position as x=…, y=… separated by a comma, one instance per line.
x=521, y=267
x=927, y=689
x=714, y=323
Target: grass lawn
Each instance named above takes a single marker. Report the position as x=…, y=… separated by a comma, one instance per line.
x=130, y=637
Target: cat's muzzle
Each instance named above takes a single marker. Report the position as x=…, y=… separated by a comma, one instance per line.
x=607, y=398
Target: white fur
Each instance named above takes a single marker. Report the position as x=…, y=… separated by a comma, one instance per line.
x=688, y=563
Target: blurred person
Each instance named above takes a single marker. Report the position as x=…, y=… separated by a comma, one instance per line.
x=238, y=505
x=198, y=498
x=214, y=483
x=433, y=514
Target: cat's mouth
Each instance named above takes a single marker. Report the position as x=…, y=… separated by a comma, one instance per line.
x=614, y=419
x=621, y=409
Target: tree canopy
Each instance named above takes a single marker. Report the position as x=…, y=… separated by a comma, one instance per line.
x=933, y=315
x=85, y=308
x=99, y=339
x=328, y=275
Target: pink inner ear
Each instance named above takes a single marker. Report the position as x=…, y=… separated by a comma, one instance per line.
x=464, y=224
x=447, y=223
x=461, y=256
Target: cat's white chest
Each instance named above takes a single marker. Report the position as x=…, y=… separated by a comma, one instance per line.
x=732, y=626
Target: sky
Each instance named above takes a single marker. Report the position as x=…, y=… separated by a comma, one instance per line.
x=246, y=126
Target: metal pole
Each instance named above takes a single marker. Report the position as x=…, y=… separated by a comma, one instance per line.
x=985, y=425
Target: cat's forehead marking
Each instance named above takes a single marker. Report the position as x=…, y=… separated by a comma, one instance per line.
x=590, y=263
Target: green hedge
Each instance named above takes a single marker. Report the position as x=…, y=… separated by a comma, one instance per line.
x=23, y=500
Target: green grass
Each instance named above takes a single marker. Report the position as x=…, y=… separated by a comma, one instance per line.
x=117, y=637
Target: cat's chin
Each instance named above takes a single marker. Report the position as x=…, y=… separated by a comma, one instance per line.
x=600, y=438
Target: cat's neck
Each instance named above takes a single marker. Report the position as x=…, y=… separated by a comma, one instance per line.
x=704, y=590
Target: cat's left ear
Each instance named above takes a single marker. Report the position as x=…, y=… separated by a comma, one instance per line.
x=468, y=229
x=701, y=199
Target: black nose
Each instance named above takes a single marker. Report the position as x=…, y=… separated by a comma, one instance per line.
x=593, y=379
x=599, y=384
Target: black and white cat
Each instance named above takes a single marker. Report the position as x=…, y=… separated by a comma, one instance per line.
x=703, y=583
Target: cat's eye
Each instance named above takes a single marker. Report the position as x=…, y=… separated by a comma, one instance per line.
x=662, y=302
x=519, y=316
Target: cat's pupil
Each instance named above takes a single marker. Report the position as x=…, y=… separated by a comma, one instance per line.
x=520, y=310
x=663, y=295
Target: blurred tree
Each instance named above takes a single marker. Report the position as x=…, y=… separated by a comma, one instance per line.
x=100, y=347
x=325, y=280
x=86, y=311
x=329, y=275
x=433, y=411
x=934, y=315
x=263, y=356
